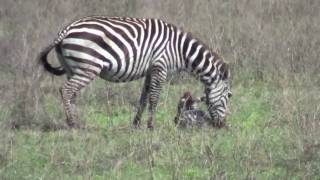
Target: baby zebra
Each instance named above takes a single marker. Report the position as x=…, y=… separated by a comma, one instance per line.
x=189, y=116
x=187, y=113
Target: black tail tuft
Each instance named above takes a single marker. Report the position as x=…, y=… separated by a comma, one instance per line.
x=58, y=71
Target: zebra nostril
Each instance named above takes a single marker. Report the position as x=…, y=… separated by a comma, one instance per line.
x=229, y=95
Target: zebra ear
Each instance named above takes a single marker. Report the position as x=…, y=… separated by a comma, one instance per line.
x=224, y=71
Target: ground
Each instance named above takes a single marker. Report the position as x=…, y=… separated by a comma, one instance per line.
x=259, y=143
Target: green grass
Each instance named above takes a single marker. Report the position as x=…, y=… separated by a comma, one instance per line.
x=257, y=144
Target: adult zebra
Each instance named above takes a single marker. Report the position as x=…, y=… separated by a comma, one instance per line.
x=121, y=49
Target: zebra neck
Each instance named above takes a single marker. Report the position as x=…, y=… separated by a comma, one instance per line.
x=199, y=59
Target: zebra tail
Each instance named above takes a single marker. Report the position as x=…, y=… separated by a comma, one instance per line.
x=42, y=59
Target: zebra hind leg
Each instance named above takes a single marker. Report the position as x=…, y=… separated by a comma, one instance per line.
x=142, y=102
x=68, y=92
x=158, y=77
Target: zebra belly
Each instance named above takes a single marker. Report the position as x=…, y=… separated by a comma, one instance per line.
x=129, y=70
x=109, y=76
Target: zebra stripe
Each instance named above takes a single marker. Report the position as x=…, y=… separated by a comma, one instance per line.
x=121, y=49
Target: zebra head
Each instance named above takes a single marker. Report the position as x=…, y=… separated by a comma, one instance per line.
x=218, y=92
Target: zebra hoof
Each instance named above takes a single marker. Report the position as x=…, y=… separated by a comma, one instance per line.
x=74, y=125
x=136, y=125
x=150, y=125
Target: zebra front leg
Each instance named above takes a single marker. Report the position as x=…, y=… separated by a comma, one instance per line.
x=142, y=101
x=158, y=77
x=68, y=92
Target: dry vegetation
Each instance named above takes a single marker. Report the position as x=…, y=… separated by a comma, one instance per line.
x=272, y=46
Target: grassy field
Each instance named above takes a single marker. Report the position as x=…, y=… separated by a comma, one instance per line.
x=273, y=48
x=260, y=143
